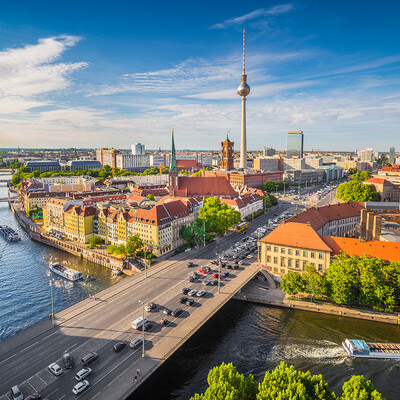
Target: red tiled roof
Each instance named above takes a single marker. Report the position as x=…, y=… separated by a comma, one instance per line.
x=242, y=201
x=319, y=216
x=81, y=211
x=380, y=181
x=296, y=235
x=187, y=164
x=389, y=251
x=135, y=198
x=200, y=186
x=393, y=168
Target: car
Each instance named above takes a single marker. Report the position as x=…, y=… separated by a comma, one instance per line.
x=215, y=275
x=250, y=256
x=202, y=270
x=228, y=266
x=235, y=257
x=177, y=312
x=80, y=387
x=225, y=275
x=148, y=326
x=167, y=311
x=89, y=358
x=164, y=322
x=119, y=346
x=201, y=293
x=214, y=282
x=68, y=361
x=235, y=266
x=83, y=373
x=55, y=369
x=206, y=282
x=16, y=394
x=189, y=264
x=185, y=290
x=150, y=306
x=189, y=302
x=136, y=343
x=34, y=396
x=192, y=292
x=191, y=279
x=195, y=275
x=183, y=299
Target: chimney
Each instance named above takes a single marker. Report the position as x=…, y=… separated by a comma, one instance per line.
x=377, y=227
x=308, y=223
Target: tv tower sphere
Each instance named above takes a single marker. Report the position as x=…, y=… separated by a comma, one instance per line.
x=243, y=89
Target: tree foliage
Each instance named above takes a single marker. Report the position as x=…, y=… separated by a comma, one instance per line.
x=314, y=283
x=361, y=176
x=357, y=191
x=134, y=244
x=94, y=241
x=270, y=186
x=151, y=197
x=218, y=216
x=292, y=283
x=193, y=233
x=357, y=387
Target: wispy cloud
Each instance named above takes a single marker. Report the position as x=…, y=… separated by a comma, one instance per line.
x=32, y=70
x=261, y=12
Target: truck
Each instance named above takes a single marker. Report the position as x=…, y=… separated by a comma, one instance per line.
x=138, y=323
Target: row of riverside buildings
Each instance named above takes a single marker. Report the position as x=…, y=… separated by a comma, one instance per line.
x=317, y=235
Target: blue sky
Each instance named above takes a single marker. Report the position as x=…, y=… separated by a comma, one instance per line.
x=102, y=74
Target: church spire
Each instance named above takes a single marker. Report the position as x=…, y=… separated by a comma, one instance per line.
x=173, y=167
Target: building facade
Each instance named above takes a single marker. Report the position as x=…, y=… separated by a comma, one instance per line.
x=43, y=166
x=294, y=146
x=107, y=157
x=227, y=154
x=131, y=162
x=138, y=149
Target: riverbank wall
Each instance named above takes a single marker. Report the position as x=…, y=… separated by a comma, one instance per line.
x=341, y=311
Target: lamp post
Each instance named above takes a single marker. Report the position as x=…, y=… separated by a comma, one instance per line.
x=219, y=272
x=204, y=233
x=143, y=337
x=52, y=301
x=258, y=247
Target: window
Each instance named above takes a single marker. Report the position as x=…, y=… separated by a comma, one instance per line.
x=268, y=258
x=305, y=253
x=321, y=256
x=268, y=248
x=275, y=260
x=297, y=263
x=312, y=255
x=290, y=251
x=289, y=262
x=275, y=249
x=282, y=250
x=297, y=252
x=319, y=267
x=283, y=261
x=304, y=264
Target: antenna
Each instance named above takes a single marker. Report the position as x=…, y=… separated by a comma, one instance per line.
x=244, y=42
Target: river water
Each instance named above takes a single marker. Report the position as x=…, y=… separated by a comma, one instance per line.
x=25, y=295
x=254, y=338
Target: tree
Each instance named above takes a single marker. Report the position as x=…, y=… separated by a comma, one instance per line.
x=225, y=383
x=218, y=216
x=151, y=197
x=134, y=244
x=94, y=241
x=194, y=232
x=267, y=201
x=111, y=249
x=183, y=172
x=292, y=283
x=273, y=200
x=285, y=383
x=357, y=387
x=268, y=186
x=314, y=283
x=361, y=176
x=357, y=191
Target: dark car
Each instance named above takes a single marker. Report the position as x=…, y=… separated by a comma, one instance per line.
x=214, y=282
x=235, y=266
x=167, y=311
x=229, y=266
x=148, y=326
x=191, y=279
x=164, y=322
x=119, y=346
x=225, y=274
x=189, y=302
x=89, y=358
x=68, y=361
x=189, y=264
x=35, y=396
x=177, y=312
x=185, y=290
x=183, y=299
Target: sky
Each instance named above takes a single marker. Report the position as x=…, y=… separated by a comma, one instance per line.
x=91, y=74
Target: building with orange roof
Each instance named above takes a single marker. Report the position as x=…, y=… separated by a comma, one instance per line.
x=388, y=190
x=78, y=223
x=246, y=204
x=53, y=213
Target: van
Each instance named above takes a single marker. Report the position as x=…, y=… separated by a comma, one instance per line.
x=89, y=358
x=136, y=343
x=138, y=323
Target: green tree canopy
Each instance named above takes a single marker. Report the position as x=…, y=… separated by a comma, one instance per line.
x=357, y=191
x=151, y=197
x=314, y=283
x=270, y=186
x=134, y=244
x=218, y=216
x=94, y=241
x=194, y=232
x=357, y=387
x=292, y=283
x=361, y=176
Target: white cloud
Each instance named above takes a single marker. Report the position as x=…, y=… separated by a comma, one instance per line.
x=261, y=12
x=32, y=70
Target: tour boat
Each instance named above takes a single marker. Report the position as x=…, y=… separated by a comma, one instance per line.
x=9, y=233
x=67, y=273
x=360, y=348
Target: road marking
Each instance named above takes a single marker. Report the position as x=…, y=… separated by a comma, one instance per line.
x=41, y=379
x=69, y=348
x=13, y=356
x=33, y=387
x=62, y=397
x=46, y=337
x=26, y=348
x=52, y=392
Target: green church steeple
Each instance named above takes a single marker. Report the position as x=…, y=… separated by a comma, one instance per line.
x=173, y=167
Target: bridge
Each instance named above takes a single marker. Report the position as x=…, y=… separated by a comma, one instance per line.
x=95, y=324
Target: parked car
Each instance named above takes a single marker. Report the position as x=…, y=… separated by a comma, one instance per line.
x=214, y=282
x=35, y=396
x=177, y=312
x=136, y=343
x=201, y=293
x=68, y=361
x=183, y=299
x=206, y=282
x=89, y=358
x=150, y=306
x=215, y=275
x=167, y=311
x=225, y=275
x=119, y=346
x=189, y=264
x=185, y=290
x=83, y=373
x=189, y=302
x=16, y=393
x=164, y=322
x=192, y=292
x=55, y=369
x=80, y=387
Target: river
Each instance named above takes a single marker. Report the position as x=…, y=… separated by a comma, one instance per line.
x=254, y=338
x=25, y=295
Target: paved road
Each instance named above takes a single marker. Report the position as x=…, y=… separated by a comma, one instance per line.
x=96, y=324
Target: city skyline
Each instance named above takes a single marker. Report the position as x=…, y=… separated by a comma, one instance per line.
x=111, y=78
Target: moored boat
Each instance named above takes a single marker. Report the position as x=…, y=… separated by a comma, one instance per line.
x=9, y=233
x=67, y=273
x=362, y=349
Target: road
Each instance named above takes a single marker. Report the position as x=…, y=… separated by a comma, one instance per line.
x=97, y=323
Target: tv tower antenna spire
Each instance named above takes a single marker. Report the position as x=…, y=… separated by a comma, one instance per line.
x=244, y=46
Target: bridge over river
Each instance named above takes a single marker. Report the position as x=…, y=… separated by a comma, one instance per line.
x=95, y=324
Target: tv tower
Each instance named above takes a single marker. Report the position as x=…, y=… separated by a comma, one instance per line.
x=243, y=90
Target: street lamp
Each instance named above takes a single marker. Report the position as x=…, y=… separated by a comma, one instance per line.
x=52, y=301
x=143, y=337
x=258, y=247
x=219, y=272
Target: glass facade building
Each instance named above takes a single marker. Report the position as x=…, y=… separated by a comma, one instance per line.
x=295, y=144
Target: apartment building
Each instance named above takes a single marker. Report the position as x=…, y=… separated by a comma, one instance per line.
x=78, y=223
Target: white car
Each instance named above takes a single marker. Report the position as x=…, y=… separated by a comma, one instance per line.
x=83, y=373
x=192, y=292
x=80, y=387
x=206, y=282
x=201, y=293
x=55, y=369
x=250, y=256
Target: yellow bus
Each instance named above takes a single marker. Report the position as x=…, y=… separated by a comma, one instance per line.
x=241, y=226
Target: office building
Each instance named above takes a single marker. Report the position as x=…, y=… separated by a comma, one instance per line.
x=132, y=162
x=107, y=157
x=268, y=151
x=294, y=146
x=270, y=164
x=138, y=149
x=392, y=154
